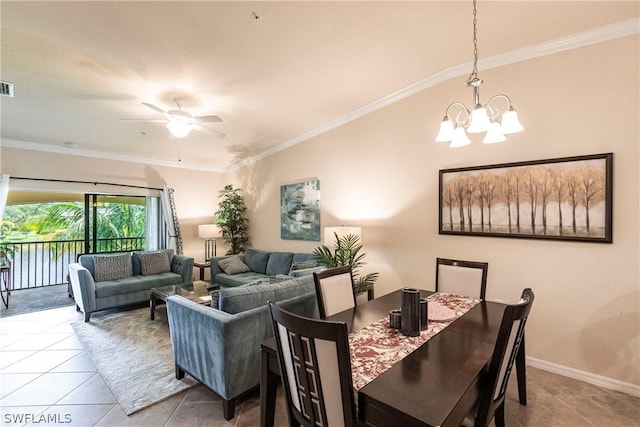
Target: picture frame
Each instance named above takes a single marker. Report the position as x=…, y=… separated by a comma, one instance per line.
x=300, y=211
x=569, y=198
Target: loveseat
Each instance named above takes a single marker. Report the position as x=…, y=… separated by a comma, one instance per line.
x=256, y=265
x=221, y=347
x=101, y=281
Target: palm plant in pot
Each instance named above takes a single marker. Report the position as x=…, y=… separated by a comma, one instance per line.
x=231, y=220
x=347, y=252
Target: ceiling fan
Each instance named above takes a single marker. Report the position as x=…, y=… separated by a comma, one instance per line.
x=180, y=122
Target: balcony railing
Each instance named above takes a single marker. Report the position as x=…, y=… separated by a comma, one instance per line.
x=46, y=263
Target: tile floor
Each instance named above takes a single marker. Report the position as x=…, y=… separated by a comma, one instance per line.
x=46, y=378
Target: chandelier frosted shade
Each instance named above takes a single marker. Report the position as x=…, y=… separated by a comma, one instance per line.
x=446, y=130
x=510, y=123
x=494, y=134
x=460, y=138
x=479, y=121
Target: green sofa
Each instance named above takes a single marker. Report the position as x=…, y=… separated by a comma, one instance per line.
x=221, y=347
x=129, y=287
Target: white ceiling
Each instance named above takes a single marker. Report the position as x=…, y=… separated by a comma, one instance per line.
x=300, y=68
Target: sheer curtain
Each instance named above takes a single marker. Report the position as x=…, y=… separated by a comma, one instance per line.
x=4, y=192
x=171, y=220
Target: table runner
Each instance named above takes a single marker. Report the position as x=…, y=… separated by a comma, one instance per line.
x=377, y=347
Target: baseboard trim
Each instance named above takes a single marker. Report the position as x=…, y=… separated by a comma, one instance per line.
x=588, y=377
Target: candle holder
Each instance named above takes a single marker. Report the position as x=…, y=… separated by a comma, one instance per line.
x=410, y=312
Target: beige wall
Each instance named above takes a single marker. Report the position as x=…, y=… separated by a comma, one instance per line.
x=381, y=172
x=195, y=192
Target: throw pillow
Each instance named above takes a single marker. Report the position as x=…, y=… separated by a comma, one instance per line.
x=154, y=263
x=215, y=298
x=256, y=260
x=304, y=264
x=233, y=265
x=112, y=267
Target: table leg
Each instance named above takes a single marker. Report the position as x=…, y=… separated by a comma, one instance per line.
x=268, y=387
x=152, y=304
x=521, y=372
x=5, y=286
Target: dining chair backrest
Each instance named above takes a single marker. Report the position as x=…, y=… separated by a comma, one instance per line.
x=334, y=290
x=467, y=278
x=510, y=336
x=315, y=367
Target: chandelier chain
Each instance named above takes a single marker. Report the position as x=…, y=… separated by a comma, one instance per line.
x=474, y=71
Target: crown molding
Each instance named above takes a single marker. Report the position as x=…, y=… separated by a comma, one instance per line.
x=575, y=41
x=49, y=148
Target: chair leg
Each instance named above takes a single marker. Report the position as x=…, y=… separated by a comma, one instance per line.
x=521, y=373
x=179, y=372
x=228, y=409
x=499, y=416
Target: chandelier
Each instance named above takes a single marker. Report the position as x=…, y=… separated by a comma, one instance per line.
x=481, y=118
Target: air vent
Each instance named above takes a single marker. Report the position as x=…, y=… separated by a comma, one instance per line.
x=6, y=89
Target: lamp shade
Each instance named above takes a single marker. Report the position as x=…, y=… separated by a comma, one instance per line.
x=494, y=134
x=208, y=231
x=460, y=138
x=330, y=238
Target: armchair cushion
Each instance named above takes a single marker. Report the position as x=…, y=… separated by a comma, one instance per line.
x=112, y=267
x=233, y=265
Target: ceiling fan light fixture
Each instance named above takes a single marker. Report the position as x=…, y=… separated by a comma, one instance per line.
x=179, y=128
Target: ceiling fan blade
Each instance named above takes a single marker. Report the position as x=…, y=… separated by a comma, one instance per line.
x=208, y=119
x=208, y=131
x=145, y=120
x=153, y=107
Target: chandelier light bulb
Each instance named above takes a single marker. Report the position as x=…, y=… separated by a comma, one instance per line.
x=460, y=138
x=446, y=130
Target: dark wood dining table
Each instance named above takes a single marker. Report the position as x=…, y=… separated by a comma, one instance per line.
x=435, y=385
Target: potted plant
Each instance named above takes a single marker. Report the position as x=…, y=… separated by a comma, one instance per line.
x=231, y=220
x=347, y=252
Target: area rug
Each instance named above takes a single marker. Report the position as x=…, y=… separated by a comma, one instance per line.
x=22, y=301
x=134, y=357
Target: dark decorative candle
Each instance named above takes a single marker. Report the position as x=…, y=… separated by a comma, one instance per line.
x=410, y=312
x=424, y=314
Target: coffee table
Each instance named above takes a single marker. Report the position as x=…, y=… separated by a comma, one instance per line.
x=198, y=291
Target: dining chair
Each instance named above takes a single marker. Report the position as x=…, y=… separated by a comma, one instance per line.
x=334, y=290
x=468, y=278
x=490, y=405
x=315, y=365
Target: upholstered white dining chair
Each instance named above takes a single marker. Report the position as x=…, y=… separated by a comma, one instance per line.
x=334, y=290
x=315, y=366
x=468, y=278
x=491, y=402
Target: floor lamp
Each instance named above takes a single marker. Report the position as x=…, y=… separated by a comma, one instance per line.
x=209, y=232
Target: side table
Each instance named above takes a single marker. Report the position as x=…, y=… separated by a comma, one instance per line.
x=5, y=283
x=202, y=266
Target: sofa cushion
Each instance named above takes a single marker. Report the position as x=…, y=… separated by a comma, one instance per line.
x=154, y=263
x=279, y=263
x=135, y=284
x=240, y=298
x=112, y=267
x=232, y=280
x=256, y=260
x=137, y=265
x=233, y=265
x=301, y=257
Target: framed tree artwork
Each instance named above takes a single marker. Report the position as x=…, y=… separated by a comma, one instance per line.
x=300, y=211
x=566, y=198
